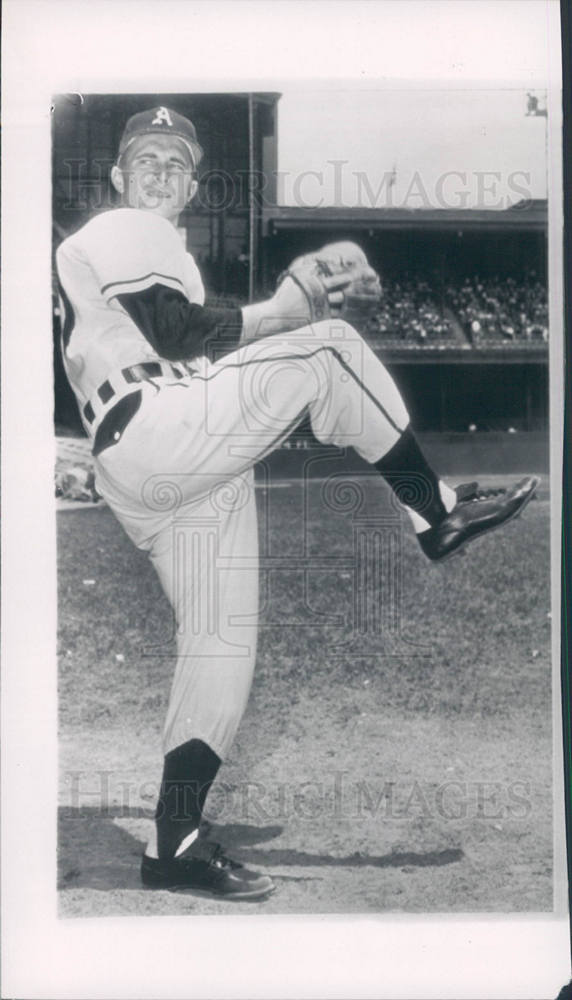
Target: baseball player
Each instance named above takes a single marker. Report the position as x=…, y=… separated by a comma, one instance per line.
x=180, y=400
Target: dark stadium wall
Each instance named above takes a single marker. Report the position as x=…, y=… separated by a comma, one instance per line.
x=467, y=455
x=487, y=396
x=398, y=253
x=464, y=381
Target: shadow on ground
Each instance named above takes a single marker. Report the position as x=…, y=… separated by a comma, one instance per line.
x=97, y=852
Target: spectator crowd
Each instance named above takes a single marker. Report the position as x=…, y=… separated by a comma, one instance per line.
x=495, y=309
x=409, y=312
x=471, y=311
x=425, y=310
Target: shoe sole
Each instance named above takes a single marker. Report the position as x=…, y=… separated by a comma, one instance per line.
x=230, y=896
x=460, y=551
x=212, y=894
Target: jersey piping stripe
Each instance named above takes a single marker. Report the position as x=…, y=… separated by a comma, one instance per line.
x=144, y=277
x=298, y=357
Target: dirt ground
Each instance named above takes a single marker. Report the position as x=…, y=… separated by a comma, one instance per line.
x=361, y=791
x=396, y=815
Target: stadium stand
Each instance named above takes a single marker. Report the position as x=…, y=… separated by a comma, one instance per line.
x=477, y=312
x=480, y=312
x=410, y=315
x=506, y=310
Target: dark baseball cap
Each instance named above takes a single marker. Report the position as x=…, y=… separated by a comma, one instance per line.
x=162, y=121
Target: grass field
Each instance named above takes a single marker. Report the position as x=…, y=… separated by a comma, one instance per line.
x=379, y=768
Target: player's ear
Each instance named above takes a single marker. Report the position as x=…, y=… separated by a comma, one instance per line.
x=117, y=179
x=193, y=190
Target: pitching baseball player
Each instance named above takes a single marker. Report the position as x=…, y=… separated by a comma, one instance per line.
x=180, y=400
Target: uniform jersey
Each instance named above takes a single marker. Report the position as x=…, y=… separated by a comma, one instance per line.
x=130, y=293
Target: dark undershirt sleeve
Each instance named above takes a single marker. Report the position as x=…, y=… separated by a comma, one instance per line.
x=179, y=330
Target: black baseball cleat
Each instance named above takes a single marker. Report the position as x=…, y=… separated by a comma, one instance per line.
x=470, y=518
x=204, y=868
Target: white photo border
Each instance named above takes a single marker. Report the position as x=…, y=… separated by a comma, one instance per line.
x=124, y=46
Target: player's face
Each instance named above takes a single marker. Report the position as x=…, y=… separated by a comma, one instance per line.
x=156, y=174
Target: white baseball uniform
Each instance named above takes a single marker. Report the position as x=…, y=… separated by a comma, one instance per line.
x=177, y=467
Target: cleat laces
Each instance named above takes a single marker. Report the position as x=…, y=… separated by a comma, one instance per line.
x=490, y=493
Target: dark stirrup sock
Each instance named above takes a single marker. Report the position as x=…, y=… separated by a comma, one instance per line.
x=412, y=479
x=188, y=773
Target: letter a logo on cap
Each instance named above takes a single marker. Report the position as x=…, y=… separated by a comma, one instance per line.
x=162, y=118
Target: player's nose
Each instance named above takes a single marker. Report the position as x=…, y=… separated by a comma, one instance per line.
x=162, y=174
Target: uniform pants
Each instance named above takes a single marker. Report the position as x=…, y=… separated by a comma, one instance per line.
x=181, y=483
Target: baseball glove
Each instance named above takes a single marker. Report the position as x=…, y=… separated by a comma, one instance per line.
x=337, y=282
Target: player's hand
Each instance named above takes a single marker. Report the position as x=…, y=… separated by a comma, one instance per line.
x=291, y=308
x=336, y=281
x=290, y=301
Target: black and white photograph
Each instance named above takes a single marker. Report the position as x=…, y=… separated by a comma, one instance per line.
x=302, y=348
x=372, y=381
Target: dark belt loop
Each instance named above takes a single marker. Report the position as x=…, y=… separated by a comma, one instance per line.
x=89, y=413
x=115, y=422
x=152, y=368
x=143, y=372
x=106, y=391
